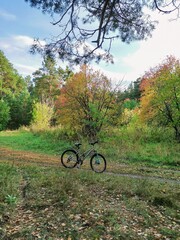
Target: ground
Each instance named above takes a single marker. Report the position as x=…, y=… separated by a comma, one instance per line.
x=62, y=204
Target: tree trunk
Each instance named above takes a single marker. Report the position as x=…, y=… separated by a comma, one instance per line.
x=177, y=133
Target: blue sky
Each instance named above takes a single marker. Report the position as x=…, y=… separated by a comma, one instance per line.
x=20, y=24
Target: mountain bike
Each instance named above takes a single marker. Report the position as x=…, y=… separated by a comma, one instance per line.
x=71, y=158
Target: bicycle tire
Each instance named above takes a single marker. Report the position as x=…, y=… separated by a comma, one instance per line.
x=98, y=163
x=69, y=158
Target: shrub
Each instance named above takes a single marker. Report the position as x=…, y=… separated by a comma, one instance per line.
x=42, y=115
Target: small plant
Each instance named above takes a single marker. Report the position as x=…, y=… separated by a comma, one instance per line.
x=10, y=199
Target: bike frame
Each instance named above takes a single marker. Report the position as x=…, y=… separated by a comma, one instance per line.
x=83, y=155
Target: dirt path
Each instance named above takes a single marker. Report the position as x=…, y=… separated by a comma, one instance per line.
x=30, y=158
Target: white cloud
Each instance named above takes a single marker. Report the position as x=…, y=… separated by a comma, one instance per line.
x=16, y=49
x=141, y=56
x=165, y=41
x=25, y=41
x=25, y=69
x=7, y=16
x=17, y=43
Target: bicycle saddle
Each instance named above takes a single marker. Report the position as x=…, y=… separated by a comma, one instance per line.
x=78, y=144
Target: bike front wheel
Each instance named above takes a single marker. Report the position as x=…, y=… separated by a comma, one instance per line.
x=98, y=163
x=69, y=158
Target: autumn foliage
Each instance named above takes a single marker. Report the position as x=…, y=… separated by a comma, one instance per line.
x=160, y=101
x=84, y=101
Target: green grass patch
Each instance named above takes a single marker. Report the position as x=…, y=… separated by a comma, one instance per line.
x=26, y=140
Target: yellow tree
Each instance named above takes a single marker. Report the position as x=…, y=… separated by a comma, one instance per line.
x=84, y=102
x=160, y=99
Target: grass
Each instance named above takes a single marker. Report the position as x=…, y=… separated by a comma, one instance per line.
x=26, y=140
x=117, y=145
x=54, y=203
x=140, y=148
x=63, y=204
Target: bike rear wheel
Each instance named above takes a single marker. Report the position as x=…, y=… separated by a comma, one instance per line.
x=98, y=163
x=69, y=158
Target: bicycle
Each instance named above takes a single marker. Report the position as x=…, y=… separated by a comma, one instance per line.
x=70, y=158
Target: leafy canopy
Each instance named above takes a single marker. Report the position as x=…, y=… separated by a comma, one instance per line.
x=87, y=28
x=160, y=101
x=11, y=83
x=85, y=101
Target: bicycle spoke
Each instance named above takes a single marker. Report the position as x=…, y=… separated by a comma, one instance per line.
x=69, y=159
x=98, y=163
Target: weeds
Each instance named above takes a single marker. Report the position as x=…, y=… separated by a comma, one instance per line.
x=10, y=199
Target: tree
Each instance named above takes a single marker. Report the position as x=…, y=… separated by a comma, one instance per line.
x=88, y=28
x=11, y=83
x=132, y=92
x=85, y=101
x=20, y=110
x=14, y=97
x=47, y=81
x=160, y=100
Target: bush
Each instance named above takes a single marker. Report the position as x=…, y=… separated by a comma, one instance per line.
x=42, y=115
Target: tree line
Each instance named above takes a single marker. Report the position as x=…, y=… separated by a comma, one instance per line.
x=86, y=102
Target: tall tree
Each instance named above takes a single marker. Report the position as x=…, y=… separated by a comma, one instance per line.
x=86, y=26
x=160, y=100
x=47, y=82
x=11, y=83
x=85, y=101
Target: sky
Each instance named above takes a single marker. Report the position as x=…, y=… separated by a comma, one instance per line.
x=20, y=24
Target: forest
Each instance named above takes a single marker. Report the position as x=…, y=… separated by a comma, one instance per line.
x=87, y=103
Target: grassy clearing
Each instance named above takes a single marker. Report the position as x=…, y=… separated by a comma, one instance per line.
x=119, y=146
x=56, y=203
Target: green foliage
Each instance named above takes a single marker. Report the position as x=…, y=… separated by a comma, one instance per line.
x=13, y=90
x=42, y=115
x=132, y=92
x=131, y=104
x=47, y=81
x=11, y=83
x=127, y=117
x=134, y=143
x=4, y=115
x=10, y=199
x=160, y=102
x=20, y=110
